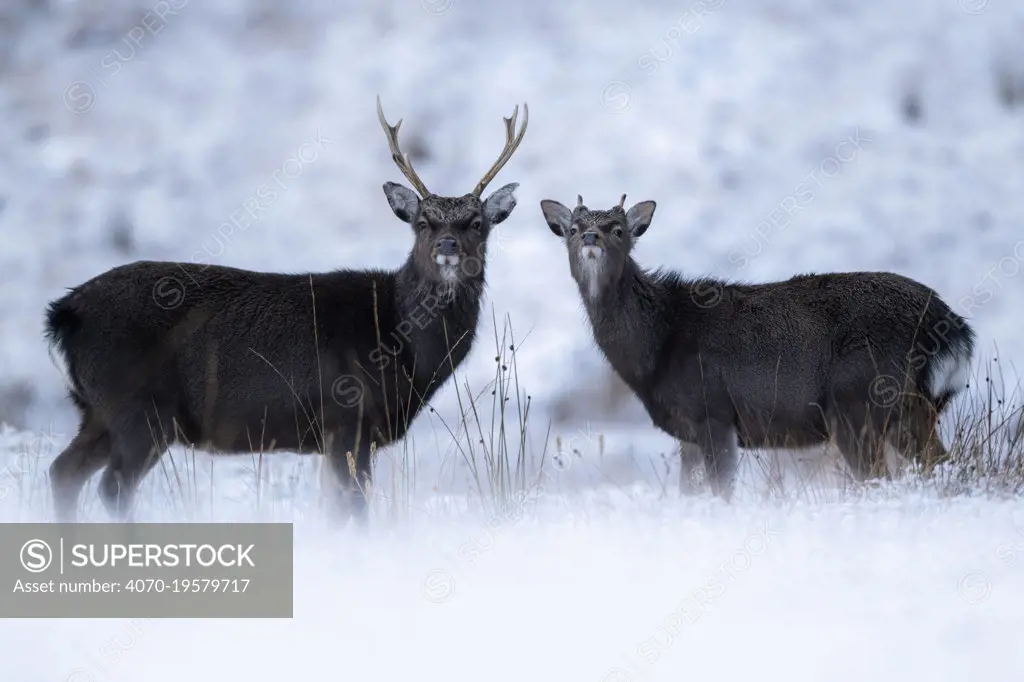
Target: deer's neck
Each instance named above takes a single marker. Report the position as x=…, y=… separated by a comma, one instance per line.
x=630, y=323
x=439, y=321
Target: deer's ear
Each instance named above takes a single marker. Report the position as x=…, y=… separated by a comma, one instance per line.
x=557, y=216
x=499, y=205
x=639, y=217
x=404, y=202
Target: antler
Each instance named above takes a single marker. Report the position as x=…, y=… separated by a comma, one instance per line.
x=401, y=160
x=511, y=144
x=579, y=200
x=622, y=201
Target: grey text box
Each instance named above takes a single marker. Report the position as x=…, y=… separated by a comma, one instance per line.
x=146, y=570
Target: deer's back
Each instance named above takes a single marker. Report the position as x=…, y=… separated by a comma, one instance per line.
x=775, y=355
x=220, y=348
x=824, y=316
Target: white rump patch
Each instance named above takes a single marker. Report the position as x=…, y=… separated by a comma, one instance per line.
x=949, y=372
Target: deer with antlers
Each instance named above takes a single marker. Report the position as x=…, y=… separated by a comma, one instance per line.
x=234, y=361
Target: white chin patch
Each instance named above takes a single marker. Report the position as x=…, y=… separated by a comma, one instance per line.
x=590, y=269
x=449, y=267
x=449, y=273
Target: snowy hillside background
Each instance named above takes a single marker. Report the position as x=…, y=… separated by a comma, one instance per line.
x=135, y=129
x=107, y=161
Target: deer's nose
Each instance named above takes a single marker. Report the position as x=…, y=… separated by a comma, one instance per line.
x=590, y=239
x=447, y=246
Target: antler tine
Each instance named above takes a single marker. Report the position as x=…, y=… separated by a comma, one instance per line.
x=579, y=200
x=510, y=123
x=401, y=160
x=511, y=144
x=622, y=201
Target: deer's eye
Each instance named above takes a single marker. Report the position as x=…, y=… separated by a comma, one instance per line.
x=475, y=225
x=573, y=230
x=617, y=231
x=423, y=224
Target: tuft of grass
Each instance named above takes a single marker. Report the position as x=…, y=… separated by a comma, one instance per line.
x=491, y=436
x=987, y=448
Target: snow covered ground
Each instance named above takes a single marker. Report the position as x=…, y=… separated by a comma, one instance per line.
x=136, y=129
x=610, y=586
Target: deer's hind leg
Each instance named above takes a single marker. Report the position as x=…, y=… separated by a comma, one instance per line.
x=140, y=438
x=719, y=444
x=915, y=433
x=86, y=454
x=690, y=459
x=860, y=440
